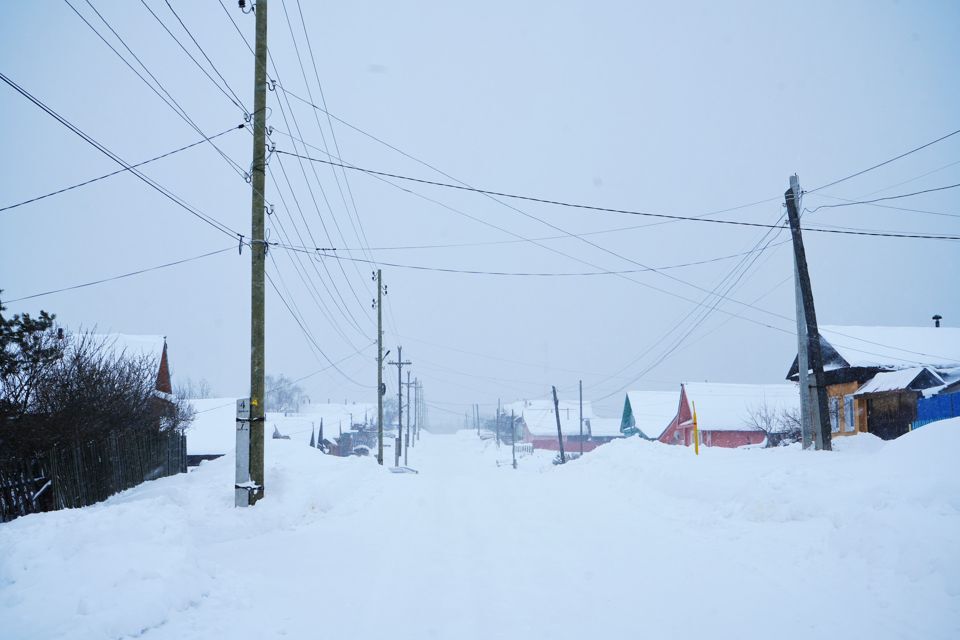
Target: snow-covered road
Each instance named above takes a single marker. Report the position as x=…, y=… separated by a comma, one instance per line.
x=633, y=540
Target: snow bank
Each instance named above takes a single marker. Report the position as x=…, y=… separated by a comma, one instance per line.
x=635, y=539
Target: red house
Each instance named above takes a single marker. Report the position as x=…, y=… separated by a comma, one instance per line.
x=537, y=422
x=724, y=412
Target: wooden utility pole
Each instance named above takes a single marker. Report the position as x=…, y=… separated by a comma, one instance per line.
x=416, y=409
x=556, y=410
x=406, y=435
x=581, y=417
x=258, y=251
x=498, y=423
x=400, y=364
x=513, y=438
x=814, y=353
x=381, y=387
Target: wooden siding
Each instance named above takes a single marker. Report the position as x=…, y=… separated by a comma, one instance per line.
x=859, y=420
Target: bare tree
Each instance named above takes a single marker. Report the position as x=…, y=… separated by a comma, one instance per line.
x=781, y=427
x=195, y=390
x=87, y=390
x=282, y=394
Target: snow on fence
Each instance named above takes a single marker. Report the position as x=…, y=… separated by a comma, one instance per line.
x=83, y=474
x=524, y=449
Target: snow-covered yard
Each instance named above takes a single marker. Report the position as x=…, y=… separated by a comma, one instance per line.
x=636, y=539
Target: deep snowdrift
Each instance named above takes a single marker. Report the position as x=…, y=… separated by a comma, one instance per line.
x=634, y=540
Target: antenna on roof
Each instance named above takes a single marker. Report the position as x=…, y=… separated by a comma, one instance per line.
x=936, y=320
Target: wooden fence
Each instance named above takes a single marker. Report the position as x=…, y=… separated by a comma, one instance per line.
x=83, y=474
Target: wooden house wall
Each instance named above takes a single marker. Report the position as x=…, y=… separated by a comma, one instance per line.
x=859, y=420
x=890, y=414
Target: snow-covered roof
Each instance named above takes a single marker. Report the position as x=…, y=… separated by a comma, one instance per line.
x=913, y=378
x=133, y=346
x=653, y=411
x=894, y=347
x=541, y=420
x=727, y=407
x=605, y=427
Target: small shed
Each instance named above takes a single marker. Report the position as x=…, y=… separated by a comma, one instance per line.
x=891, y=397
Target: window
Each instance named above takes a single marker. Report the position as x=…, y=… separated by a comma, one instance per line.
x=849, y=416
x=834, y=414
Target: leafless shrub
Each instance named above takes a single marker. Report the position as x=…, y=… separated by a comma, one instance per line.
x=84, y=391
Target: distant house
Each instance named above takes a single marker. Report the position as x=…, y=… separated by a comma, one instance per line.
x=876, y=376
x=654, y=415
x=727, y=414
x=602, y=430
x=537, y=424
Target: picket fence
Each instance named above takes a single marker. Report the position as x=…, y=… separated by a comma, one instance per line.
x=86, y=473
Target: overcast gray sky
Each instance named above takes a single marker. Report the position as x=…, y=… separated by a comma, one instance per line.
x=679, y=108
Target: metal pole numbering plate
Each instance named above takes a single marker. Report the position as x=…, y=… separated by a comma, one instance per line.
x=243, y=483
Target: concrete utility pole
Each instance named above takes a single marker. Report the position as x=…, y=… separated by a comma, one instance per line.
x=810, y=316
x=381, y=387
x=803, y=366
x=400, y=364
x=498, y=423
x=556, y=410
x=252, y=489
x=581, y=417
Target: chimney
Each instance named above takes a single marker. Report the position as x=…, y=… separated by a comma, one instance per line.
x=936, y=320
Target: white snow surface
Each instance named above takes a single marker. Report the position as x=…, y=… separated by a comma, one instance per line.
x=896, y=347
x=635, y=540
x=727, y=407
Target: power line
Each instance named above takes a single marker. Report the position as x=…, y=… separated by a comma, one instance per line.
x=697, y=310
x=588, y=207
x=123, y=275
x=316, y=206
x=169, y=100
x=884, y=163
x=118, y=171
x=884, y=199
x=213, y=222
x=235, y=99
x=343, y=307
x=326, y=254
x=892, y=207
x=308, y=335
x=361, y=234
x=297, y=260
